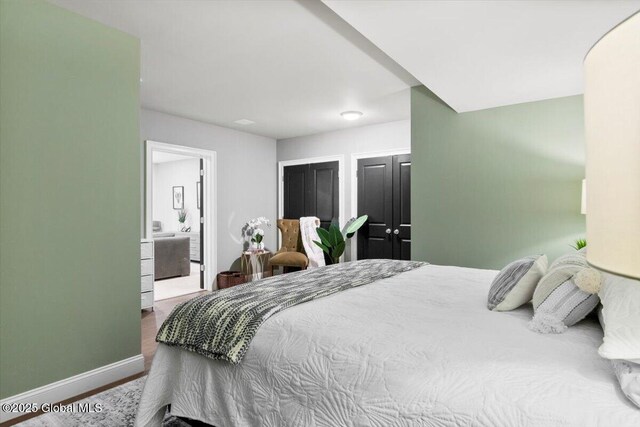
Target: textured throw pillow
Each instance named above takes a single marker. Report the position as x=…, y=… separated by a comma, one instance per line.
x=561, y=270
x=627, y=372
x=621, y=314
x=558, y=302
x=515, y=283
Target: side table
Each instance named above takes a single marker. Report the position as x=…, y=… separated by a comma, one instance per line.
x=253, y=263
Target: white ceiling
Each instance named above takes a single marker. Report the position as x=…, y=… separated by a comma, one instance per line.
x=289, y=66
x=162, y=157
x=482, y=54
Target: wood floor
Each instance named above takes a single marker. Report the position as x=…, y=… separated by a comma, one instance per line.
x=151, y=321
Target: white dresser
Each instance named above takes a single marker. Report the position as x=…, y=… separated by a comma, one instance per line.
x=146, y=273
x=194, y=244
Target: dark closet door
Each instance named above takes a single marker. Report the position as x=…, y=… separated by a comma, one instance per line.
x=384, y=193
x=375, y=198
x=312, y=190
x=295, y=190
x=402, y=207
x=322, y=194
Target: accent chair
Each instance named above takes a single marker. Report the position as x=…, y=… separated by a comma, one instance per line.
x=291, y=252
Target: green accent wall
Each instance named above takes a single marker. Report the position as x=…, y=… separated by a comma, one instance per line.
x=493, y=185
x=69, y=195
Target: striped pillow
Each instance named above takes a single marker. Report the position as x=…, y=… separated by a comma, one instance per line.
x=557, y=301
x=515, y=283
x=561, y=270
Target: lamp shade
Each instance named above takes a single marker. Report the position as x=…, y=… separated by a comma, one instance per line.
x=612, y=120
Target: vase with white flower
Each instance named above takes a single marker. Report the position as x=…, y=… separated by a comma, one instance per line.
x=258, y=236
x=253, y=233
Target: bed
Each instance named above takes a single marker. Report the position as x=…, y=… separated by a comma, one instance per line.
x=416, y=349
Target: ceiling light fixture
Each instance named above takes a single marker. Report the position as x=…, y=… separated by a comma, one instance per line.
x=351, y=115
x=244, y=122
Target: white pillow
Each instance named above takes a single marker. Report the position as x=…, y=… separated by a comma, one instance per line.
x=515, y=283
x=627, y=372
x=620, y=299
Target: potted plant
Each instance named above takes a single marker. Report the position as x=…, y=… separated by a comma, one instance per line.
x=333, y=241
x=579, y=244
x=254, y=234
x=258, y=235
x=182, y=218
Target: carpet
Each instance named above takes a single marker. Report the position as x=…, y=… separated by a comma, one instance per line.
x=178, y=286
x=119, y=407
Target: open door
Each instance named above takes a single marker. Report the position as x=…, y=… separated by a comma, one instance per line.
x=202, y=205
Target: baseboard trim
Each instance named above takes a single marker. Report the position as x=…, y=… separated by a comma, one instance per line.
x=73, y=386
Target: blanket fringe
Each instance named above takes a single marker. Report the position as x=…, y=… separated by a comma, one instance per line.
x=546, y=323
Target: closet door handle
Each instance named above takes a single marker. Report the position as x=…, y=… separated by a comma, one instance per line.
x=396, y=231
x=388, y=231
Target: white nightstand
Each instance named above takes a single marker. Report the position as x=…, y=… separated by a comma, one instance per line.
x=146, y=273
x=194, y=244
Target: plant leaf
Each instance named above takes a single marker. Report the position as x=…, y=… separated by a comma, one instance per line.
x=346, y=227
x=339, y=249
x=336, y=235
x=323, y=247
x=580, y=243
x=353, y=226
x=331, y=238
x=324, y=236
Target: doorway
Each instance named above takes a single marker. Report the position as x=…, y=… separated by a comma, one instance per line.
x=384, y=194
x=179, y=217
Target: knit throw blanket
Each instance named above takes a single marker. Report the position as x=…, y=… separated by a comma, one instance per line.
x=221, y=325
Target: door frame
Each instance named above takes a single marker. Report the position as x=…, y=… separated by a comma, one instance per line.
x=210, y=213
x=322, y=159
x=354, y=186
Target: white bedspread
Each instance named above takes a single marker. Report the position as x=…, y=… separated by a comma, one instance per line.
x=418, y=349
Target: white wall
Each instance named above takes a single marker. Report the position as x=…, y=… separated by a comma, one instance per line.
x=365, y=139
x=167, y=175
x=246, y=174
